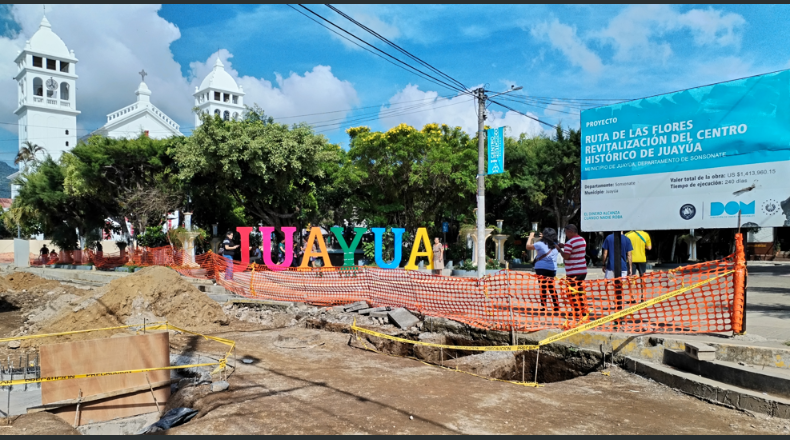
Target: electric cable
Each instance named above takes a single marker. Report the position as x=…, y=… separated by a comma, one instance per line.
x=396, y=47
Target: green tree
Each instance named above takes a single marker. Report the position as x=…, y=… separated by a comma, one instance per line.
x=274, y=171
x=43, y=201
x=553, y=174
x=412, y=178
x=131, y=179
x=28, y=153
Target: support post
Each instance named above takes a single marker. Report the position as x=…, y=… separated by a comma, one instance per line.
x=481, y=183
x=739, y=287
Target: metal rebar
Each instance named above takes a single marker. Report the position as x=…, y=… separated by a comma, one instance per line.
x=512, y=322
x=441, y=353
x=8, y=399
x=27, y=362
x=537, y=356
x=523, y=365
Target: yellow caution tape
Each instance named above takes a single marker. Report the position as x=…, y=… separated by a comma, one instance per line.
x=47, y=335
x=628, y=311
x=551, y=339
x=526, y=384
x=221, y=363
x=448, y=347
x=90, y=375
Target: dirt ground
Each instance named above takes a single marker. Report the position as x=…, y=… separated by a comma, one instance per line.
x=336, y=389
x=310, y=381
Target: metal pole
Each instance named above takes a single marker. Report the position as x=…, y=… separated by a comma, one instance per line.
x=481, y=183
x=537, y=357
x=512, y=322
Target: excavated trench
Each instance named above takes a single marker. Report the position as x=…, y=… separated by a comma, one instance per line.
x=555, y=364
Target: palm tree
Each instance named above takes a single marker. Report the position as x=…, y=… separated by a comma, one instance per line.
x=27, y=153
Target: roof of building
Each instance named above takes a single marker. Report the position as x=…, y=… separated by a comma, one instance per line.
x=47, y=42
x=218, y=78
x=5, y=203
x=133, y=112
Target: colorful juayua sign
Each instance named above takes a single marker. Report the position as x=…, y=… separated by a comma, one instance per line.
x=348, y=249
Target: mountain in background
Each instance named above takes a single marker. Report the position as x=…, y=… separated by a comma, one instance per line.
x=5, y=184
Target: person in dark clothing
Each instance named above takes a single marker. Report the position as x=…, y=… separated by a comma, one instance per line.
x=228, y=251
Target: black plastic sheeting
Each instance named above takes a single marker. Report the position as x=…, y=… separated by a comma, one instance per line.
x=174, y=417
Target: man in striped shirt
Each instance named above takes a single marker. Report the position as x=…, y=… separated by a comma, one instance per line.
x=573, y=252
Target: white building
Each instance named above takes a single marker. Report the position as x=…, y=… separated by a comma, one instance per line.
x=47, y=111
x=142, y=117
x=219, y=94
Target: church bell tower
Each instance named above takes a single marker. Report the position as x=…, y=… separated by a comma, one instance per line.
x=46, y=77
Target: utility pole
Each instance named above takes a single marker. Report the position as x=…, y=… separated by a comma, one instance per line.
x=481, y=182
x=481, y=175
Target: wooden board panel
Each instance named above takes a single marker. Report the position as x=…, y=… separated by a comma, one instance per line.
x=105, y=355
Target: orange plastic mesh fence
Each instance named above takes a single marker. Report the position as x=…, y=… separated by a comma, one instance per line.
x=503, y=301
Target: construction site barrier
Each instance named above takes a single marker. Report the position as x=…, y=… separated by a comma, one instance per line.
x=221, y=364
x=504, y=301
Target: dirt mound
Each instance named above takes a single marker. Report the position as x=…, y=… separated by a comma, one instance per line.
x=153, y=294
x=20, y=281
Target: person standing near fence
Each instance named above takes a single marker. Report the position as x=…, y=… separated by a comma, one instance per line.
x=546, y=264
x=640, y=241
x=438, y=256
x=229, y=250
x=626, y=256
x=573, y=253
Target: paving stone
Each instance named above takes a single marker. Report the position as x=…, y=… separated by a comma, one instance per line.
x=402, y=318
x=359, y=305
x=371, y=310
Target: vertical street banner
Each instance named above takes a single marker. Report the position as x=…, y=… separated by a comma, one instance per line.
x=496, y=150
x=690, y=159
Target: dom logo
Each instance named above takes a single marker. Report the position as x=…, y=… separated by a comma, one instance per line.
x=688, y=211
x=731, y=208
x=770, y=207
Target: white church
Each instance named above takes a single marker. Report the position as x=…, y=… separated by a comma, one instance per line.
x=47, y=111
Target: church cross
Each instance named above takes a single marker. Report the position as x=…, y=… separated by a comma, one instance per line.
x=142, y=74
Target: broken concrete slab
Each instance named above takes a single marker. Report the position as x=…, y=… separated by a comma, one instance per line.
x=371, y=310
x=402, y=318
x=219, y=386
x=382, y=314
x=359, y=305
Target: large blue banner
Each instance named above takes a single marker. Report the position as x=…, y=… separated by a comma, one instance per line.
x=496, y=150
x=678, y=160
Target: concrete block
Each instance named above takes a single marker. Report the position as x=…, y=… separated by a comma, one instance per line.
x=371, y=310
x=728, y=397
x=754, y=404
x=402, y=318
x=359, y=305
x=782, y=410
x=700, y=351
x=382, y=314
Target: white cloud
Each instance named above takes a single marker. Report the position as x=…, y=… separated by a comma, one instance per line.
x=114, y=42
x=316, y=91
x=635, y=31
x=563, y=38
x=414, y=107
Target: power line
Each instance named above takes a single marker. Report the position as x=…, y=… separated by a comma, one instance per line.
x=523, y=114
x=413, y=69
x=398, y=48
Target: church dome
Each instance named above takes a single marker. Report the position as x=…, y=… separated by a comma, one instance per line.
x=46, y=42
x=219, y=79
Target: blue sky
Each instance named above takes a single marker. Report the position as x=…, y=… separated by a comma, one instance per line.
x=291, y=66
